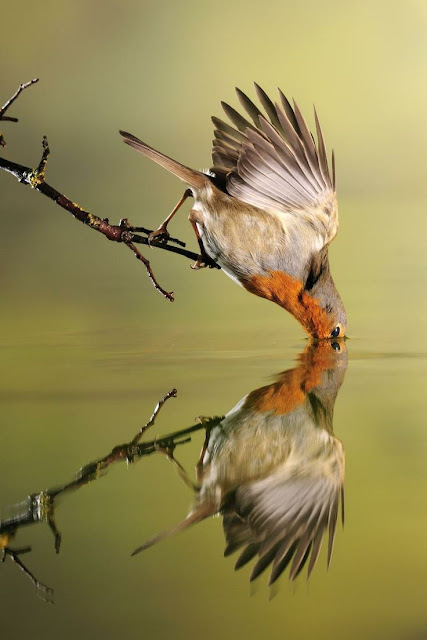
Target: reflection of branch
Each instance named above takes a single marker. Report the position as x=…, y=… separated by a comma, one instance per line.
x=40, y=507
x=45, y=592
x=11, y=100
x=123, y=232
x=157, y=408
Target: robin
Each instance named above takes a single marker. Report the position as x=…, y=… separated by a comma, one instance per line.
x=274, y=469
x=266, y=211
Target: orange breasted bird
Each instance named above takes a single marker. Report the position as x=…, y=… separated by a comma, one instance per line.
x=266, y=211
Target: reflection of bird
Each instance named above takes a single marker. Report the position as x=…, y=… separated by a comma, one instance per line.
x=274, y=469
x=266, y=211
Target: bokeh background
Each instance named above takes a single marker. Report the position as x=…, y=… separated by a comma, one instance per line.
x=88, y=346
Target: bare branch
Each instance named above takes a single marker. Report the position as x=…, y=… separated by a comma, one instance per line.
x=123, y=232
x=116, y=233
x=44, y=591
x=167, y=294
x=11, y=100
x=157, y=408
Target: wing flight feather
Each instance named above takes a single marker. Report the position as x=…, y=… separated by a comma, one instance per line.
x=272, y=161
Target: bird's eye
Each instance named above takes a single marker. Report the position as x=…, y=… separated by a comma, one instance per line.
x=336, y=332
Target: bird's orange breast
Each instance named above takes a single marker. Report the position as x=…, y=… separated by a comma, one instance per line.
x=289, y=293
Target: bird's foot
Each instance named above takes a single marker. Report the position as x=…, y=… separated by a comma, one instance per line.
x=204, y=261
x=159, y=236
x=166, y=449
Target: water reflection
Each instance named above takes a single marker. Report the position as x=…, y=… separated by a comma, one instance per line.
x=271, y=467
x=274, y=469
x=40, y=507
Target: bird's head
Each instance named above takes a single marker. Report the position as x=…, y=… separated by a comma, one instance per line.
x=321, y=310
x=339, y=320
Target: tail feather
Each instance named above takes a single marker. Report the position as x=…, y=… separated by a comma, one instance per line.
x=201, y=513
x=191, y=177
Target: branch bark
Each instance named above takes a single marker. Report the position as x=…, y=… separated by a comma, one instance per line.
x=123, y=233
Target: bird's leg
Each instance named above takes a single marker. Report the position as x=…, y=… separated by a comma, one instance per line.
x=200, y=462
x=52, y=526
x=162, y=234
x=168, y=451
x=203, y=260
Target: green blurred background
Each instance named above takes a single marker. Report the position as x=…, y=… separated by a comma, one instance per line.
x=88, y=346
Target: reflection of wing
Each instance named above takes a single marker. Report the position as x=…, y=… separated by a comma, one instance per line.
x=275, y=164
x=281, y=521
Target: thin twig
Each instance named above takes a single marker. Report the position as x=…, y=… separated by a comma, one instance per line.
x=167, y=294
x=11, y=100
x=43, y=590
x=43, y=162
x=157, y=408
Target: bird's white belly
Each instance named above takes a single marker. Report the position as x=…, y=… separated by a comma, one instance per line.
x=243, y=240
x=213, y=253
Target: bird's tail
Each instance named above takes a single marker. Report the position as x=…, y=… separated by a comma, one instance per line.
x=201, y=513
x=191, y=177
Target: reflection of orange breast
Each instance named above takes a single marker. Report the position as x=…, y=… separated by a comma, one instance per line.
x=291, y=389
x=281, y=397
x=4, y=540
x=288, y=292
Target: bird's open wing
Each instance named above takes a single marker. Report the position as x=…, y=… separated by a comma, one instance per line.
x=275, y=164
x=282, y=522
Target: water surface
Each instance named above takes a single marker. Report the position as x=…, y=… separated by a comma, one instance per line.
x=91, y=399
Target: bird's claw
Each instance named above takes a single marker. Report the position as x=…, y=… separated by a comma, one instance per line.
x=203, y=262
x=165, y=449
x=160, y=236
x=198, y=265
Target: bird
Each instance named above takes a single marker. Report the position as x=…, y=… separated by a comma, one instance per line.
x=266, y=211
x=274, y=470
